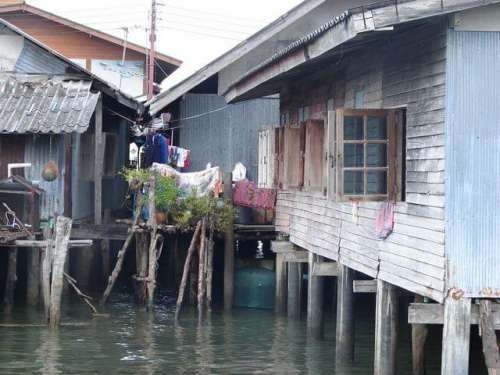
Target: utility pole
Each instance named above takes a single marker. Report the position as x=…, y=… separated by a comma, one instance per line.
x=152, y=40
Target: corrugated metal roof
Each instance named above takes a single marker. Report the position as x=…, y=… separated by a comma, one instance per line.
x=64, y=107
x=473, y=163
x=34, y=59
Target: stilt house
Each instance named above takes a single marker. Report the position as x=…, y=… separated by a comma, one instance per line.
x=398, y=103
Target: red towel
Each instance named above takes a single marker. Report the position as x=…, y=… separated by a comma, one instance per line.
x=248, y=194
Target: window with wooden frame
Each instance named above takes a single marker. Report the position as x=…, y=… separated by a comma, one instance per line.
x=367, y=145
x=285, y=118
x=303, y=114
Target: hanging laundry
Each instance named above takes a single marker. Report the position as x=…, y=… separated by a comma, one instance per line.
x=156, y=150
x=385, y=220
x=248, y=194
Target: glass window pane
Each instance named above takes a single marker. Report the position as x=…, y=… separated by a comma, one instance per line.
x=330, y=105
x=353, y=128
x=376, y=155
x=377, y=182
x=353, y=155
x=377, y=127
x=353, y=183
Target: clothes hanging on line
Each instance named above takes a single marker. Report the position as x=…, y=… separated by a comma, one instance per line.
x=179, y=157
x=156, y=150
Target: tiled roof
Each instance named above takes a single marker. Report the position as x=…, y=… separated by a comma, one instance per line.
x=47, y=107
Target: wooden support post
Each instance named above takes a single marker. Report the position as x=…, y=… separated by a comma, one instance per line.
x=386, y=328
x=98, y=163
x=418, y=337
x=83, y=264
x=344, y=348
x=201, y=270
x=456, y=335
x=105, y=253
x=32, y=289
x=10, y=284
x=153, y=252
x=141, y=257
x=210, y=263
x=294, y=290
x=228, y=247
x=490, y=346
x=46, y=269
x=121, y=253
x=63, y=231
x=315, y=313
x=182, y=288
x=281, y=298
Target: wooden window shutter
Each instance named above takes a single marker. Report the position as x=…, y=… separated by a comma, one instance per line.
x=331, y=168
x=293, y=157
x=315, y=159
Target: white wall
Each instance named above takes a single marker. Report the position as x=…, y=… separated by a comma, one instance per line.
x=10, y=49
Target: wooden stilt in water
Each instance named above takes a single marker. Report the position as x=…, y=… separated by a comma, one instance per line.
x=63, y=231
x=193, y=281
x=154, y=254
x=182, y=288
x=141, y=249
x=10, y=284
x=294, y=281
x=210, y=263
x=344, y=348
x=121, y=253
x=228, y=247
x=82, y=265
x=456, y=335
x=386, y=328
x=33, y=284
x=46, y=271
x=281, y=271
x=489, y=338
x=105, y=252
x=315, y=313
x=201, y=270
x=418, y=337
x=65, y=290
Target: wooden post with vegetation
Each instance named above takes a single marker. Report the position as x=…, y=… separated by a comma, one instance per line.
x=456, y=335
x=210, y=263
x=121, y=253
x=201, y=270
x=489, y=338
x=418, y=338
x=63, y=231
x=228, y=247
x=185, y=273
x=386, y=328
x=153, y=251
x=315, y=313
x=10, y=284
x=344, y=348
x=33, y=284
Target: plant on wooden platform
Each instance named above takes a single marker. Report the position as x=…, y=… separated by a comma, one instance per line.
x=167, y=193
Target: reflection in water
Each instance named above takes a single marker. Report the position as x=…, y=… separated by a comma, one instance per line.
x=246, y=341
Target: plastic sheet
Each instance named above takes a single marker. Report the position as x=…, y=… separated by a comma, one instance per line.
x=202, y=181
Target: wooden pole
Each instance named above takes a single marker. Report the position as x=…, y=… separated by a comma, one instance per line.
x=86, y=299
x=386, y=328
x=489, y=338
x=182, y=288
x=418, y=337
x=98, y=163
x=315, y=311
x=121, y=253
x=228, y=247
x=10, y=284
x=33, y=284
x=201, y=269
x=141, y=250
x=344, y=348
x=456, y=335
x=105, y=252
x=63, y=232
x=210, y=263
x=84, y=257
x=294, y=281
x=45, y=272
x=154, y=241
x=281, y=295
x=154, y=254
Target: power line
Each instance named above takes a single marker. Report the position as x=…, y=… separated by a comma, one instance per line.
x=204, y=27
x=209, y=20
x=216, y=14
x=199, y=33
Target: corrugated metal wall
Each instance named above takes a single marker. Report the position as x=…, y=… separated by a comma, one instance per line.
x=39, y=150
x=228, y=136
x=473, y=163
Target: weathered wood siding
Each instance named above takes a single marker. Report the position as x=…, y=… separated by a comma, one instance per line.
x=407, y=72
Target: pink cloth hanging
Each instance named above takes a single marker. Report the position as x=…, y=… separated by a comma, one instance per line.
x=385, y=220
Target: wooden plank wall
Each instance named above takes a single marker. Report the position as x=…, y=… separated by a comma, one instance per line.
x=408, y=72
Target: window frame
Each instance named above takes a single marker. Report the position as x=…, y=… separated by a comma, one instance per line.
x=394, y=155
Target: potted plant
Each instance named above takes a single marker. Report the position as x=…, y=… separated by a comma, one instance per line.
x=167, y=193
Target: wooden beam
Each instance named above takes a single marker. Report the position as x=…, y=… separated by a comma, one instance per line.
x=433, y=313
x=418, y=338
x=98, y=163
x=281, y=246
x=365, y=286
x=456, y=336
x=325, y=269
x=386, y=328
x=44, y=244
x=296, y=257
x=490, y=346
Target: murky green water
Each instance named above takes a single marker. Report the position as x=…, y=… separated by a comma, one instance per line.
x=246, y=341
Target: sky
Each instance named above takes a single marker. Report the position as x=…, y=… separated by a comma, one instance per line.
x=194, y=31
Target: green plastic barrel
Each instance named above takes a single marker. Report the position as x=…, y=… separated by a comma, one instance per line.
x=254, y=287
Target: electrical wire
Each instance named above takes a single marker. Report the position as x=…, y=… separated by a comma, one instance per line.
x=191, y=10
x=119, y=115
x=203, y=27
x=199, y=33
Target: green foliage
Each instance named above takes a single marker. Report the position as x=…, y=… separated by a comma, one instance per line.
x=167, y=193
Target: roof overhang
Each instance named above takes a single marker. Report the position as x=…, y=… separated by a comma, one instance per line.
x=175, y=92
x=348, y=32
